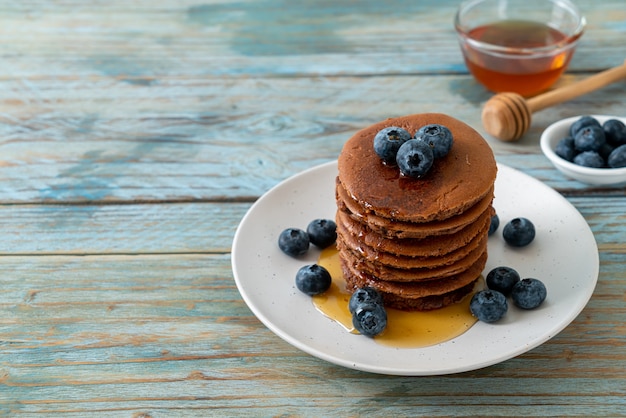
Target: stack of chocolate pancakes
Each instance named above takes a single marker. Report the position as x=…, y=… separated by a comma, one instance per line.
x=421, y=242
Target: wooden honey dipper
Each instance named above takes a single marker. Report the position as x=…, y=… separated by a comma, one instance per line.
x=507, y=116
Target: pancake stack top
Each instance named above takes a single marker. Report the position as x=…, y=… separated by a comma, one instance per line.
x=422, y=243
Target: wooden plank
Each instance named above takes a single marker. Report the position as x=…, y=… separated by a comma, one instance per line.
x=111, y=141
x=200, y=228
x=119, y=229
x=154, y=334
x=140, y=41
x=116, y=333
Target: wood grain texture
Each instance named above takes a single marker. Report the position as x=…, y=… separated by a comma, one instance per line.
x=118, y=142
x=107, y=333
x=140, y=40
x=134, y=136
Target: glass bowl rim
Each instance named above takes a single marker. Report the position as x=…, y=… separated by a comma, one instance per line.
x=569, y=41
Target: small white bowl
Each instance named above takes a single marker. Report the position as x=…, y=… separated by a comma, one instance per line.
x=598, y=176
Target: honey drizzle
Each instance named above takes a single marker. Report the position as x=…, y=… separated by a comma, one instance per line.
x=404, y=329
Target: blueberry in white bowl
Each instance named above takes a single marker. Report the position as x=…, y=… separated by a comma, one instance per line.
x=588, y=148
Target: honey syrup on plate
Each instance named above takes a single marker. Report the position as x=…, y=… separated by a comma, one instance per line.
x=404, y=329
x=511, y=72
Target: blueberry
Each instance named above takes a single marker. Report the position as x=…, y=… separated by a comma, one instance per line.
x=313, y=279
x=322, y=232
x=528, y=293
x=293, y=242
x=438, y=137
x=519, y=232
x=582, y=122
x=565, y=149
x=615, y=132
x=362, y=296
x=387, y=142
x=589, y=138
x=606, y=150
x=502, y=279
x=618, y=157
x=488, y=305
x=415, y=158
x=589, y=159
x=495, y=223
x=370, y=319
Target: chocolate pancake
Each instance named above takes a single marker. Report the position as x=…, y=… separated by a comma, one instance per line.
x=375, y=246
x=428, y=303
x=397, y=229
x=357, y=278
x=413, y=274
x=415, y=296
x=377, y=261
x=455, y=183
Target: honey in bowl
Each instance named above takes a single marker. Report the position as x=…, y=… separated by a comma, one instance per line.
x=404, y=329
x=518, y=46
x=514, y=68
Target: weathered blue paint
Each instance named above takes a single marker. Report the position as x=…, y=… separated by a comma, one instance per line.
x=134, y=136
x=305, y=28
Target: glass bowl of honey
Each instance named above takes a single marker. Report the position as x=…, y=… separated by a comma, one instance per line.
x=519, y=46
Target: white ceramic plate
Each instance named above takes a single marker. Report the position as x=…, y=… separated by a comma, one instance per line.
x=564, y=255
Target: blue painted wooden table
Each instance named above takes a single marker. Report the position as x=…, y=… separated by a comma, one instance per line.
x=135, y=135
